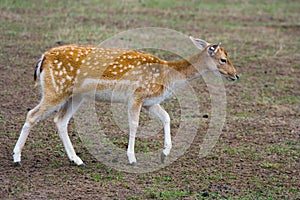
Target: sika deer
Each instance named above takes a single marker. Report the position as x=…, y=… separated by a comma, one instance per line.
x=69, y=73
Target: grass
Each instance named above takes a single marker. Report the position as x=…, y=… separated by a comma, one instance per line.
x=170, y=194
x=257, y=155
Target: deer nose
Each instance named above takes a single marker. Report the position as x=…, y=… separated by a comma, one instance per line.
x=237, y=77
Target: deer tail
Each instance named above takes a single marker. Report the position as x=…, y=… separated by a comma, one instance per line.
x=38, y=68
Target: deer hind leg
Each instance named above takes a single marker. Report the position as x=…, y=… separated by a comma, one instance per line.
x=61, y=120
x=33, y=116
x=134, y=109
x=157, y=111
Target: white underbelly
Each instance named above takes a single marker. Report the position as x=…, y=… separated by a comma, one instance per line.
x=157, y=100
x=119, y=93
x=112, y=96
x=108, y=90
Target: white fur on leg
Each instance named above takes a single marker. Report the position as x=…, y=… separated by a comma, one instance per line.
x=134, y=109
x=20, y=143
x=131, y=157
x=157, y=111
x=63, y=133
x=32, y=116
x=167, y=146
x=62, y=119
x=131, y=142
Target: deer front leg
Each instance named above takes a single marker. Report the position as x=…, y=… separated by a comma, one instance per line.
x=134, y=108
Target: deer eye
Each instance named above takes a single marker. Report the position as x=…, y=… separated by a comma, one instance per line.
x=223, y=60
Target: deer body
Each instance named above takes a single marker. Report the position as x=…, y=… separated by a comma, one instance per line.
x=69, y=74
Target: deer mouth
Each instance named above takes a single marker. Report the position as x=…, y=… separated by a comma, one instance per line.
x=236, y=77
x=227, y=76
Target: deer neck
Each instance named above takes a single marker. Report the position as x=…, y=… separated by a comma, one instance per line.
x=188, y=69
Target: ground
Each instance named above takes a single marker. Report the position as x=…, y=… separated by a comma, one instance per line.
x=257, y=154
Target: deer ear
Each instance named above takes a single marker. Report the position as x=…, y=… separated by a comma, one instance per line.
x=213, y=49
x=200, y=44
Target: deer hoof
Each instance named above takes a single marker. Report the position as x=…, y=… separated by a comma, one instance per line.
x=83, y=165
x=18, y=164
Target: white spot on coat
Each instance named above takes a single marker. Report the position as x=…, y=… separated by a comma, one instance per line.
x=68, y=77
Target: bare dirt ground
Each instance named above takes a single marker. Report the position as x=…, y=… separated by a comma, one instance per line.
x=257, y=155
